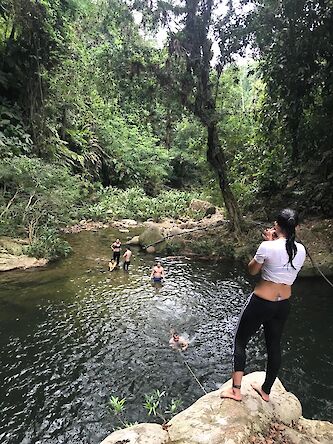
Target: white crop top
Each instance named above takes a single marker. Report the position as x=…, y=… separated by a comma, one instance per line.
x=274, y=257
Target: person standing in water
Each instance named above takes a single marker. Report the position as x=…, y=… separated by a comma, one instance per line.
x=279, y=259
x=116, y=246
x=157, y=273
x=127, y=258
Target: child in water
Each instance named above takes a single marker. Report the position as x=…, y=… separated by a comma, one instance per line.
x=112, y=264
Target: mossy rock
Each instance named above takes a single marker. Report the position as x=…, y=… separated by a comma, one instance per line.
x=152, y=235
x=16, y=247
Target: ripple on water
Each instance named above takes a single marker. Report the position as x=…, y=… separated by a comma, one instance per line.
x=95, y=334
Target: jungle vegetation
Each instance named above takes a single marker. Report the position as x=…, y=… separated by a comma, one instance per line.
x=93, y=113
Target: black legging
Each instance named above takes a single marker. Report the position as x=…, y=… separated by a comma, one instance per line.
x=272, y=315
x=116, y=256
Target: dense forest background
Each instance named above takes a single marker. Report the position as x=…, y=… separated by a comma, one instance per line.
x=98, y=121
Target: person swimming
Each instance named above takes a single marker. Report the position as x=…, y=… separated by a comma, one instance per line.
x=178, y=342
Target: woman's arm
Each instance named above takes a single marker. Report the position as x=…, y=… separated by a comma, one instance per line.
x=254, y=267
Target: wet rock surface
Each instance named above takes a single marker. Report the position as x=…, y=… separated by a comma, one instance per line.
x=212, y=420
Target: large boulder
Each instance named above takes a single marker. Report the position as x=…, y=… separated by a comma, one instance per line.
x=151, y=249
x=152, y=235
x=310, y=431
x=12, y=255
x=134, y=241
x=202, y=205
x=139, y=434
x=212, y=420
x=11, y=262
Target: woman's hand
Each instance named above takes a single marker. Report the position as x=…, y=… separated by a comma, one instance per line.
x=269, y=234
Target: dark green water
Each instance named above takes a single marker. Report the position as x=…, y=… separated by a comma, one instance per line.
x=73, y=334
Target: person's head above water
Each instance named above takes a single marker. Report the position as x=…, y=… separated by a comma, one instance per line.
x=175, y=337
x=117, y=240
x=286, y=222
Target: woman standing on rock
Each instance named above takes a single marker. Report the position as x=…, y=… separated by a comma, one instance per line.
x=279, y=259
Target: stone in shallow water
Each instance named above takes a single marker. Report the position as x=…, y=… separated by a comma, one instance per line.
x=151, y=249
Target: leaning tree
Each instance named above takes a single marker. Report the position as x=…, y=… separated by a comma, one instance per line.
x=191, y=72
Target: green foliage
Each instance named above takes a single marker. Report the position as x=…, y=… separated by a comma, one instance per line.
x=35, y=194
x=14, y=139
x=155, y=404
x=117, y=405
x=174, y=246
x=152, y=402
x=212, y=246
x=117, y=408
x=188, y=155
x=92, y=109
x=296, y=66
x=47, y=244
x=113, y=203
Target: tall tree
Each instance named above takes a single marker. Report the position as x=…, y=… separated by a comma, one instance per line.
x=295, y=42
x=33, y=40
x=188, y=72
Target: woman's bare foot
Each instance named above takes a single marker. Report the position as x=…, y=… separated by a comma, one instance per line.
x=231, y=393
x=260, y=391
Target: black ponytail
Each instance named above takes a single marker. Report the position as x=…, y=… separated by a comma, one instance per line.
x=288, y=220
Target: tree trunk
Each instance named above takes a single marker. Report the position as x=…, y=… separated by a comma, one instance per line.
x=215, y=157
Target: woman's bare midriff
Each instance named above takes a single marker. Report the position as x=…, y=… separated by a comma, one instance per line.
x=272, y=291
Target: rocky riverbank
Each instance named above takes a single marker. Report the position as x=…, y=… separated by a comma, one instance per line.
x=211, y=420
x=207, y=237
x=13, y=255
x=210, y=239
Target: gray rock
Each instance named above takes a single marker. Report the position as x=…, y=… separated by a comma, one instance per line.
x=202, y=205
x=11, y=262
x=212, y=420
x=139, y=434
x=151, y=249
x=152, y=235
x=174, y=231
x=12, y=255
x=129, y=222
x=134, y=241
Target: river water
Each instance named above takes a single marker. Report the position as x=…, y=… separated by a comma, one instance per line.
x=73, y=334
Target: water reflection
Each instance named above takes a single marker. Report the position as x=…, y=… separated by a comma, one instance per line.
x=74, y=334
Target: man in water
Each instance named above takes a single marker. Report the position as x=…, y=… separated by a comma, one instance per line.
x=178, y=342
x=127, y=258
x=157, y=273
x=116, y=246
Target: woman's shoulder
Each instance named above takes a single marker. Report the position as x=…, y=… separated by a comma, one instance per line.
x=300, y=247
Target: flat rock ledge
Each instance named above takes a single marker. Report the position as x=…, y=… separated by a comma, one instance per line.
x=12, y=255
x=212, y=420
x=10, y=262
